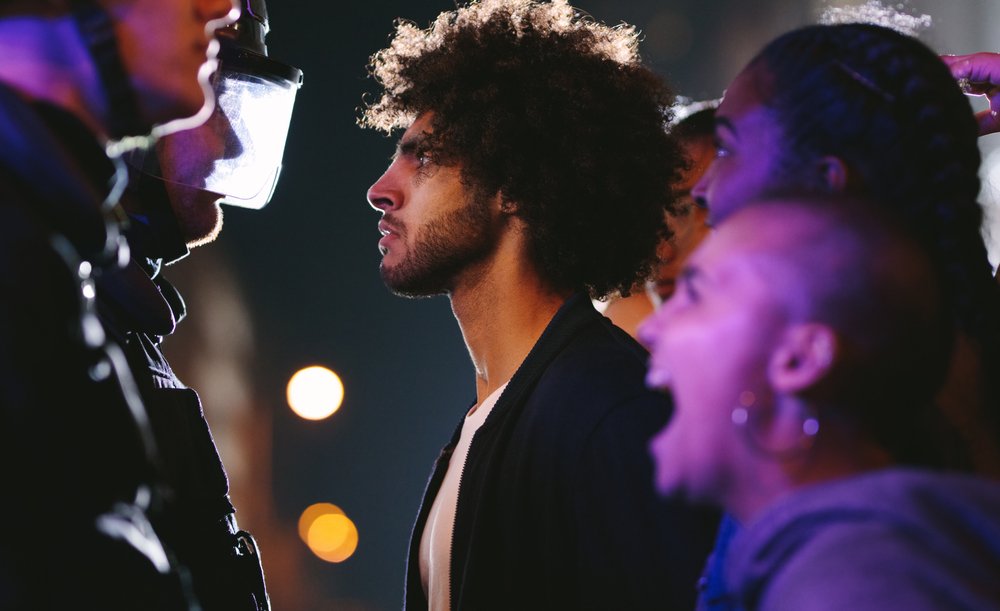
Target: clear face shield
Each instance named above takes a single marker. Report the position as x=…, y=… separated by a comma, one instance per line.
x=236, y=154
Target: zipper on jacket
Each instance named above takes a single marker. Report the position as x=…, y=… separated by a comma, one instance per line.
x=454, y=521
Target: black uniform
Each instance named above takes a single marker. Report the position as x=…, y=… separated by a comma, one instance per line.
x=140, y=307
x=77, y=454
x=113, y=493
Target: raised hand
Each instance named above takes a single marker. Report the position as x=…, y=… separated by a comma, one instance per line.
x=979, y=74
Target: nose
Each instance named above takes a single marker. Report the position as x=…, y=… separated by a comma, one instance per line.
x=384, y=195
x=699, y=192
x=649, y=330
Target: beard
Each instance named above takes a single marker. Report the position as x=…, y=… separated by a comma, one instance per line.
x=445, y=247
x=198, y=215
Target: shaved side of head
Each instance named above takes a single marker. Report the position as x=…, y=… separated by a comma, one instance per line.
x=844, y=264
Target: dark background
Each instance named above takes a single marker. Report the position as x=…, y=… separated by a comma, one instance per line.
x=301, y=282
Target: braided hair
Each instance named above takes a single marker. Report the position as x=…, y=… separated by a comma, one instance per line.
x=886, y=106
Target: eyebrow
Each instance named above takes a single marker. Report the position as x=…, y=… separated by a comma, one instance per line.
x=409, y=146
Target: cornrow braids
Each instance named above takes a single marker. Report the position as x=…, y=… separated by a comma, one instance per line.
x=887, y=106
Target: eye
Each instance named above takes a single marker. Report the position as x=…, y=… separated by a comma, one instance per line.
x=688, y=289
x=423, y=157
x=691, y=292
x=721, y=150
x=423, y=164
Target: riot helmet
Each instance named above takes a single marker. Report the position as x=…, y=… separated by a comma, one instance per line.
x=236, y=154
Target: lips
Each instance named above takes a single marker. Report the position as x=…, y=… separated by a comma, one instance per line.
x=390, y=233
x=385, y=228
x=657, y=376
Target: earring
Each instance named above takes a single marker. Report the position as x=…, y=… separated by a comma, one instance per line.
x=810, y=426
x=743, y=418
x=740, y=416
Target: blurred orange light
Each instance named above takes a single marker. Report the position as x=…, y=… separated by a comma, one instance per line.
x=315, y=393
x=311, y=513
x=328, y=532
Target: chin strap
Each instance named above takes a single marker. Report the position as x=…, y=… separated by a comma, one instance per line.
x=97, y=30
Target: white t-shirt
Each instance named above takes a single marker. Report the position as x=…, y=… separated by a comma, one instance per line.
x=435, y=544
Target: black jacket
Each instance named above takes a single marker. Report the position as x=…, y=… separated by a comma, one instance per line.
x=77, y=461
x=114, y=495
x=195, y=519
x=556, y=507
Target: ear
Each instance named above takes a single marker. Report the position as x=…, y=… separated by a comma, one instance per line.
x=803, y=358
x=834, y=173
x=507, y=206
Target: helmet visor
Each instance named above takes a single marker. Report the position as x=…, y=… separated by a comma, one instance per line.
x=237, y=152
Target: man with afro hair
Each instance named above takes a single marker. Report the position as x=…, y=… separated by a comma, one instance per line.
x=532, y=175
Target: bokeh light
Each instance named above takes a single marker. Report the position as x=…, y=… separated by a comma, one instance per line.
x=328, y=532
x=315, y=393
x=311, y=513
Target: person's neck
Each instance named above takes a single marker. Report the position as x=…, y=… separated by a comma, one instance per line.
x=502, y=309
x=45, y=60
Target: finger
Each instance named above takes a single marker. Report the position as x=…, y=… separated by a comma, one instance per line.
x=989, y=122
x=975, y=67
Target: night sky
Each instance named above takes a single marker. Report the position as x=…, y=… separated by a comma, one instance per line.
x=307, y=265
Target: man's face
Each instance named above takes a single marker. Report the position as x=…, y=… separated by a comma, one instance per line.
x=163, y=44
x=709, y=346
x=186, y=159
x=688, y=228
x=433, y=229
x=198, y=215
x=749, y=147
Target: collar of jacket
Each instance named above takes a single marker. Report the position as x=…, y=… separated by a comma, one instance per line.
x=154, y=235
x=138, y=298
x=577, y=312
x=133, y=300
